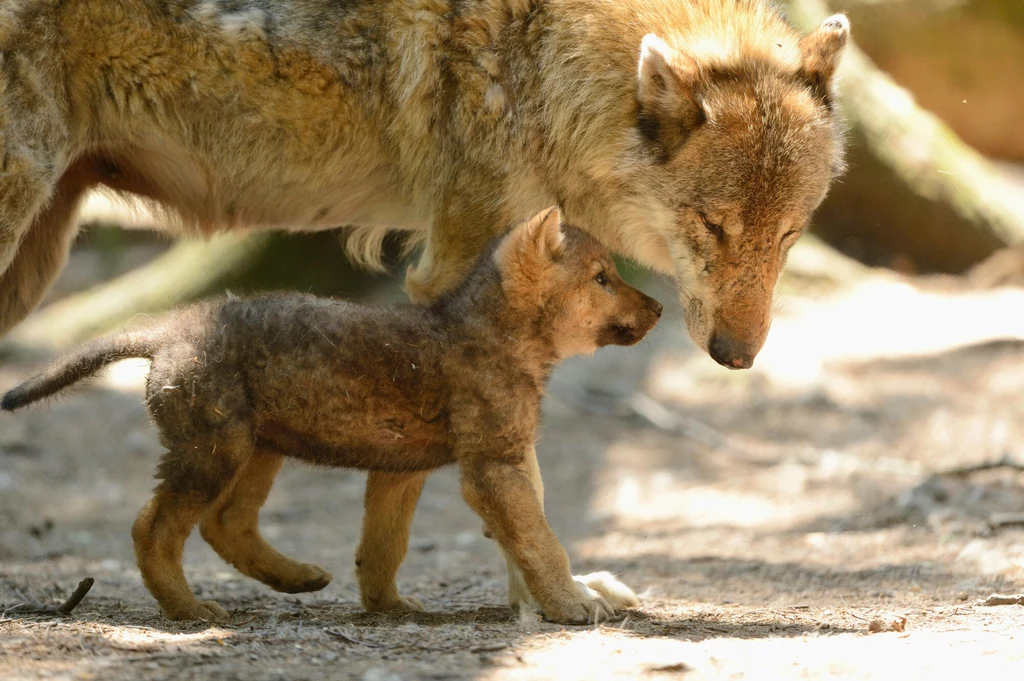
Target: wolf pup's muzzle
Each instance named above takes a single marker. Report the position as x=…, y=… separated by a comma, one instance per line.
x=622, y=332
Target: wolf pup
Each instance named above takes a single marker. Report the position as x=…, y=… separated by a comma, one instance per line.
x=236, y=385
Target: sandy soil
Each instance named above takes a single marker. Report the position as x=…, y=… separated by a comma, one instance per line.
x=765, y=517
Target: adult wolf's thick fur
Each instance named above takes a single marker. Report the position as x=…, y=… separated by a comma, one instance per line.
x=696, y=136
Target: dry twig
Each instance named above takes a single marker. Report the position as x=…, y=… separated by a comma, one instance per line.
x=1000, y=520
x=64, y=608
x=962, y=472
x=999, y=599
x=489, y=647
x=337, y=633
x=673, y=668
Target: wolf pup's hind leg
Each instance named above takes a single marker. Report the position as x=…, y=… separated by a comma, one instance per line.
x=159, y=534
x=195, y=475
x=231, y=527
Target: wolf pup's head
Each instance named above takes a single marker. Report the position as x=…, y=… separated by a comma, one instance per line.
x=741, y=144
x=569, y=277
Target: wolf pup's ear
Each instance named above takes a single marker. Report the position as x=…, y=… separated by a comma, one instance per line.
x=820, y=54
x=546, y=233
x=525, y=255
x=669, y=108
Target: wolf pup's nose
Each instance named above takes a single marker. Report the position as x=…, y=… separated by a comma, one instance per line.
x=725, y=350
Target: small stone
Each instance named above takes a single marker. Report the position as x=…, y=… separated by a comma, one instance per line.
x=380, y=674
x=423, y=545
x=466, y=539
x=13, y=435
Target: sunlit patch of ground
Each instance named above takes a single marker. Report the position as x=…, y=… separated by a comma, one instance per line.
x=952, y=651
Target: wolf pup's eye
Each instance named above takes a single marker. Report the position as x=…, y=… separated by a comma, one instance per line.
x=601, y=278
x=716, y=230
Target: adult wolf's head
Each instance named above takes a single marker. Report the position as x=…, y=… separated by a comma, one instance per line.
x=741, y=144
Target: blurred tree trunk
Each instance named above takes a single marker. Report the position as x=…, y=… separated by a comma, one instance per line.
x=186, y=271
x=962, y=60
x=924, y=166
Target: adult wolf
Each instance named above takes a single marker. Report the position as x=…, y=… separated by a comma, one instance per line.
x=696, y=136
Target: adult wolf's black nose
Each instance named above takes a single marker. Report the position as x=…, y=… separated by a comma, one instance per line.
x=728, y=352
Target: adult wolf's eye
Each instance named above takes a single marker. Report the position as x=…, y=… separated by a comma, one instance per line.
x=716, y=230
x=601, y=278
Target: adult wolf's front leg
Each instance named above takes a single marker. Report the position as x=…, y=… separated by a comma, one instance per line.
x=465, y=222
x=35, y=230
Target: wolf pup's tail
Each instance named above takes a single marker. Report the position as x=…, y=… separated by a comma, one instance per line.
x=81, y=364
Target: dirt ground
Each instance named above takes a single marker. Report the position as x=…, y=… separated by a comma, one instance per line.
x=766, y=517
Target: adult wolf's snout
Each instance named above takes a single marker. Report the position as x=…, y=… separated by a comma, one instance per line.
x=731, y=352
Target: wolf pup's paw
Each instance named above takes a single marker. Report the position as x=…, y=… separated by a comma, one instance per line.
x=306, y=578
x=618, y=595
x=395, y=604
x=586, y=606
x=204, y=611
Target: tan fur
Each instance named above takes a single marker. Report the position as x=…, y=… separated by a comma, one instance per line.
x=389, y=506
x=645, y=120
x=237, y=385
x=445, y=116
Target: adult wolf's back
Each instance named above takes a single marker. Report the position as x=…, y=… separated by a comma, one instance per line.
x=695, y=136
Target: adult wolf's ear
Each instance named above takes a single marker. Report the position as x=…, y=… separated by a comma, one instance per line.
x=820, y=54
x=546, y=233
x=669, y=108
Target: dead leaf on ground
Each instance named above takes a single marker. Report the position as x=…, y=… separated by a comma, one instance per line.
x=674, y=668
x=887, y=623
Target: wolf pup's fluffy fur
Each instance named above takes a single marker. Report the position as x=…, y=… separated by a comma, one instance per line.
x=238, y=384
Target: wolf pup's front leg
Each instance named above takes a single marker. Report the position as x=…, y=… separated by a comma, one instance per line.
x=618, y=595
x=499, y=489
